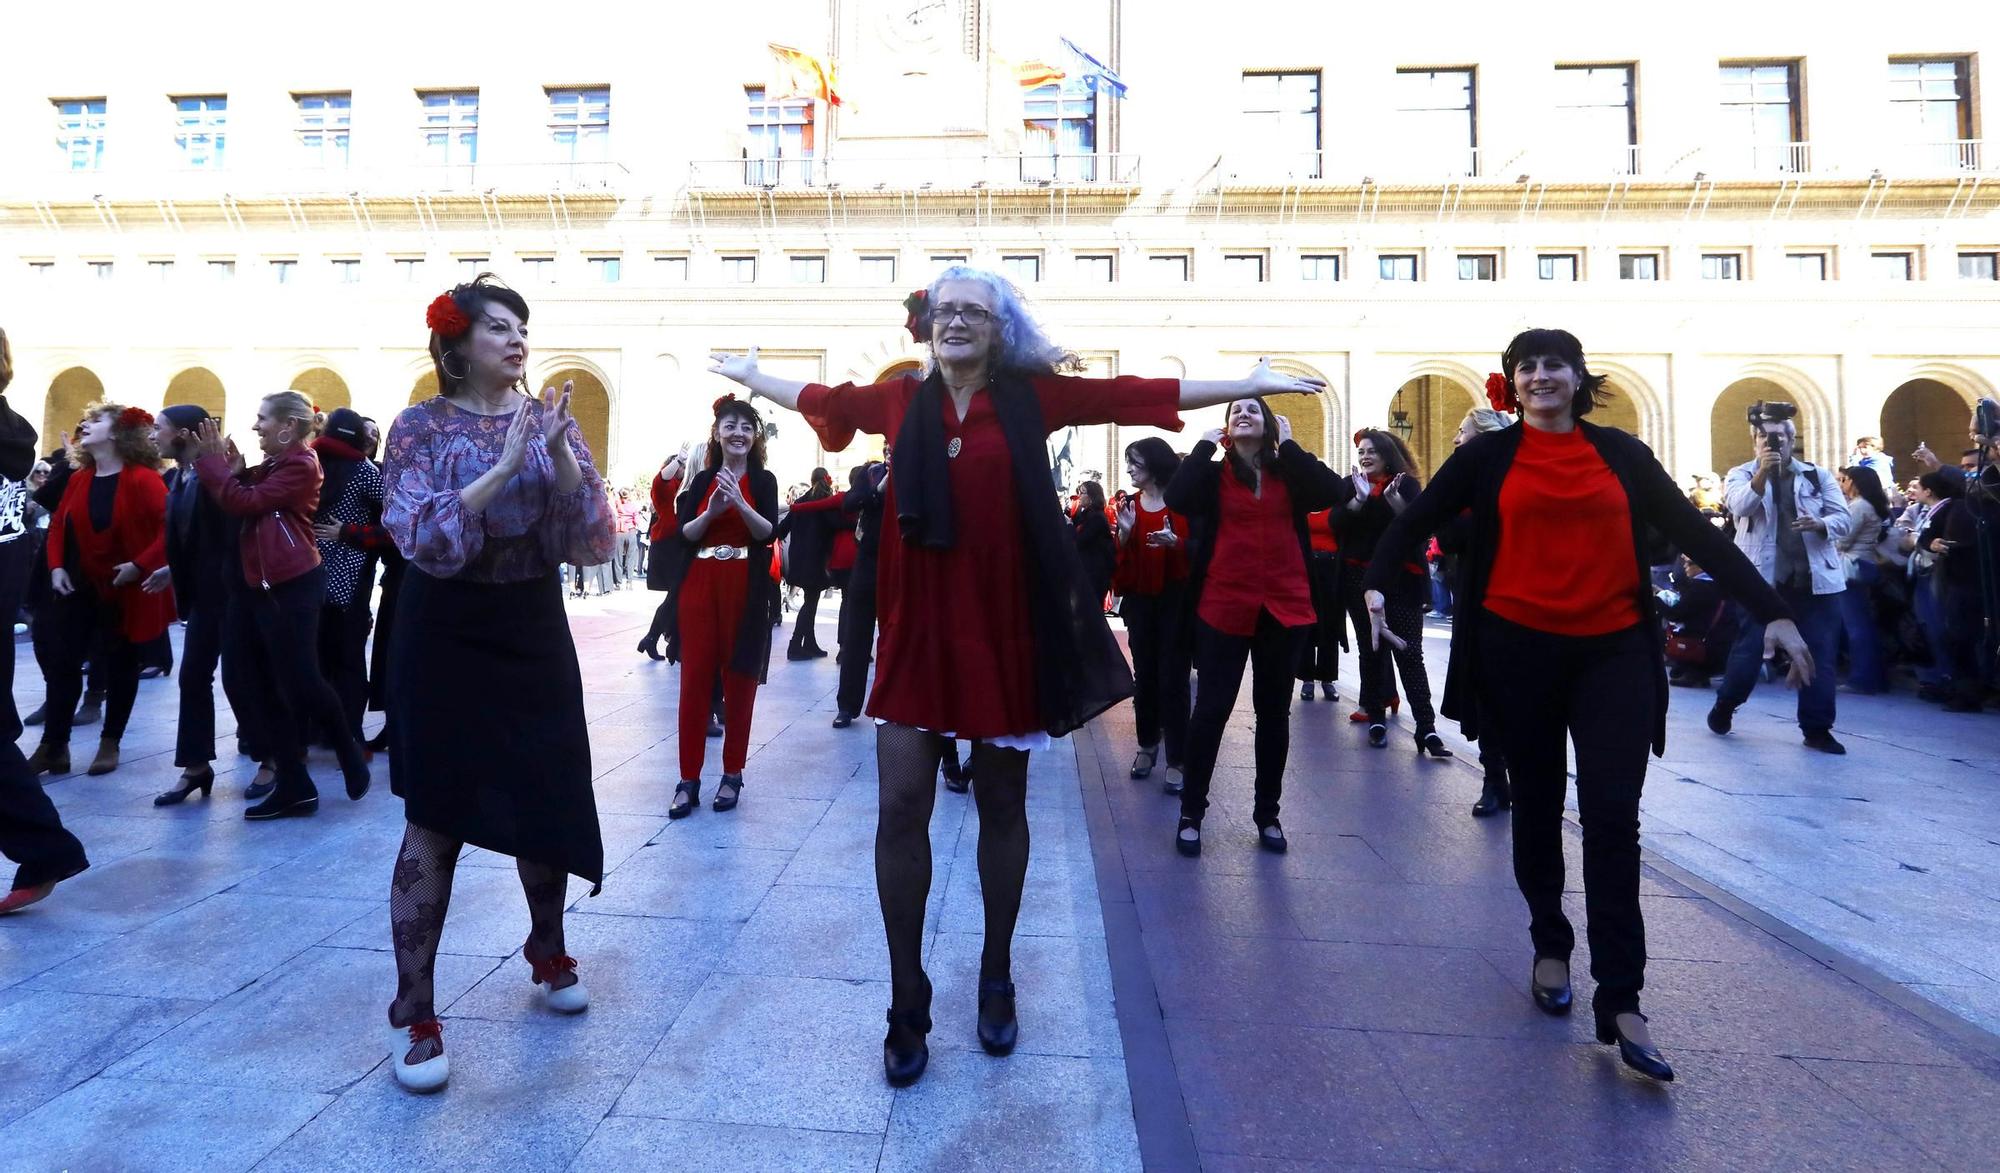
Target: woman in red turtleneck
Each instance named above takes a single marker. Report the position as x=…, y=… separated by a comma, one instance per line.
x=1556, y=641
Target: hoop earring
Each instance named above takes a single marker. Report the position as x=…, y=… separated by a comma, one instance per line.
x=444, y=366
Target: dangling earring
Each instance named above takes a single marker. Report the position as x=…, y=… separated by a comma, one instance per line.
x=448, y=372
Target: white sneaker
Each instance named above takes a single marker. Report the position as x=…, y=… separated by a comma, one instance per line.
x=428, y=1076
x=570, y=999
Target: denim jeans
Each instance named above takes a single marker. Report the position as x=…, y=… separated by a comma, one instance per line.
x=1819, y=623
x=1857, y=620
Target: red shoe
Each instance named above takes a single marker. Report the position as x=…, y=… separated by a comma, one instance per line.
x=1360, y=717
x=569, y=999
x=21, y=898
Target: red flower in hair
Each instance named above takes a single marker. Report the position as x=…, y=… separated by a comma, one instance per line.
x=1500, y=393
x=135, y=417
x=722, y=402
x=445, y=318
x=916, y=304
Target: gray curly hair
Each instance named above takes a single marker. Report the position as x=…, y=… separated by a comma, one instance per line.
x=1024, y=348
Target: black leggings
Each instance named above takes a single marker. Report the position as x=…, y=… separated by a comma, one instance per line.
x=802, y=628
x=1273, y=651
x=80, y=627
x=857, y=645
x=1539, y=692
x=1157, y=628
x=1403, y=609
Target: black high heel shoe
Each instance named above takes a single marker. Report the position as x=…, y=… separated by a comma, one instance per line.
x=651, y=646
x=687, y=796
x=1378, y=734
x=998, y=1028
x=1271, y=837
x=1182, y=843
x=189, y=783
x=903, y=1065
x=1646, y=1061
x=726, y=801
x=1555, y=1000
x=1429, y=742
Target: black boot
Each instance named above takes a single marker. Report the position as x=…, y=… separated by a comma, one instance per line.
x=1495, y=795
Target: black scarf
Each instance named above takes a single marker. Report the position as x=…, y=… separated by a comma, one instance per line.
x=1079, y=671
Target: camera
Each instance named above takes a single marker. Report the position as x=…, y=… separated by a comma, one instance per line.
x=1762, y=413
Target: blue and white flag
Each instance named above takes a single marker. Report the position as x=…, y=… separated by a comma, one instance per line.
x=1096, y=76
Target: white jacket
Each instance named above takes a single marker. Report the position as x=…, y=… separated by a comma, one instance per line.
x=1817, y=495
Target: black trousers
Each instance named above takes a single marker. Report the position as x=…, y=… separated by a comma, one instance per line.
x=31, y=832
x=802, y=627
x=1319, y=656
x=343, y=658
x=81, y=626
x=201, y=652
x=1538, y=693
x=1403, y=611
x=1157, y=628
x=1272, y=651
x=857, y=646
x=281, y=627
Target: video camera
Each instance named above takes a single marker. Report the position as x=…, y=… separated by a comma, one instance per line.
x=1762, y=413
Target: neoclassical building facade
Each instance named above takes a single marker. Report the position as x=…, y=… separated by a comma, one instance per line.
x=1724, y=211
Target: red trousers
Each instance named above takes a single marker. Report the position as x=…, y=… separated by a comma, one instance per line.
x=712, y=601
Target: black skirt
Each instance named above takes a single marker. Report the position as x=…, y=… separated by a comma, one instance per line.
x=663, y=563
x=488, y=743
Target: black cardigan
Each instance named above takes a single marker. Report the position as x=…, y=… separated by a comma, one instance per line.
x=1471, y=479
x=1196, y=492
x=750, y=652
x=1096, y=550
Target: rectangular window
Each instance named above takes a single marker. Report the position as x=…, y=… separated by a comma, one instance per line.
x=878, y=270
x=1806, y=266
x=346, y=270
x=540, y=270
x=580, y=124
x=1595, y=117
x=1979, y=266
x=1478, y=267
x=222, y=270
x=1396, y=266
x=41, y=268
x=948, y=259
x=450, y=127
x=1722, y=266
x=1760, y=116
x=1894, y=266
x=1435, y=122
x=1022, y=268
x=1930, y=104
x=160, y=270
x=80, y=133
x=1280, y=123
x=808, y=270
x=1167, y=267
x=1556, y=266
x=201, y=130
x=1243, y=268
x=1059, y=139
x=324, y=125
x=780, y=147
x=408, y=269
x=1638, y=267
x=1319, y=267
x=739, y=270
x=605, y=269
x=100, y=270
x=282, y=271
x=470, y=267
x=670, y=270
x=1097, y=268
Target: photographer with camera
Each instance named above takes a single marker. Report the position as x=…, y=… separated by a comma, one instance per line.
x=1790, y=519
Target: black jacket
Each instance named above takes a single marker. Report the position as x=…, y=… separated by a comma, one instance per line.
x=1095, y=550
x=1196, y=491
x=751, y=649
x=811, y=533
x=1359, y=531
x=1471, y=479
x=865, y=504
x=201, y=543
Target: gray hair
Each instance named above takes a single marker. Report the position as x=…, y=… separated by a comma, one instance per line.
x=1024, y=348
x=1486, y=419
x=1789, y=423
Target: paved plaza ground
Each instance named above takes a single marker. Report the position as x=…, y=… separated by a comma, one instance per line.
x=1823, y=932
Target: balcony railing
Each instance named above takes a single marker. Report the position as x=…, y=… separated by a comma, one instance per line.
x=1951, y=157
x=1740, y=159
x=117, y=186
x=933, y=173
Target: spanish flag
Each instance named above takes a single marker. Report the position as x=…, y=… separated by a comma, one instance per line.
x=1035, y=74
x=798, y=75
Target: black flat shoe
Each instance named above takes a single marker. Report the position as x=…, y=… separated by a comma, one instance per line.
x=188, y=784
x=283, y=806
x=1142, y=762
x=796, y=653
x=1176, y=780
x=1824, y=742
x=1182, y=843
x=687, y=796
x=957, y=778
x=1494, y=796
x=904, y=1058
x=1378, y=734
x=843, y=720
x=1306, y=691
x=727, y=792
x=1429, y=742
x=1555, y=1000
x=257, y=791
x=714, y=728
x=998, y=1028
x=1646, y=1061
x=1271, y=837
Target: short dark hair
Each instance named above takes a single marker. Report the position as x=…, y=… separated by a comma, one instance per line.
x=1092, y=495
x=1557, y=344
x=472, y=298
x=1944, y=482
x=1156, y=456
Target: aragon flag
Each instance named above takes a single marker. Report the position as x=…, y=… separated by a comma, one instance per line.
x=800, y=75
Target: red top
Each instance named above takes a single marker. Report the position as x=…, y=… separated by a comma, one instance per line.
x=1319, y=527
x=956, y=652
x=1143, y=568
x=137, y=534
x=728, y=527
x=1257, y=565
x=1565, y=562
x=666, y=525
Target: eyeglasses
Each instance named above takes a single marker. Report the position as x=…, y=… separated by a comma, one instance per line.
x=974, y=315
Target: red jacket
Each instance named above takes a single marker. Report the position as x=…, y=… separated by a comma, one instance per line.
x=138, y=535
x=276, y=500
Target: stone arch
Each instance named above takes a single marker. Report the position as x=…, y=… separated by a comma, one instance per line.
x=69, y=393
x=898, y=368
x=324, y=386
x=1313, y=416
x=1432, y=406
x=1631, y=405
x=885, y=359
x=590, y=402
x=199, y=386
x=425, y=387
x=1929, y=411
x=1729, y=429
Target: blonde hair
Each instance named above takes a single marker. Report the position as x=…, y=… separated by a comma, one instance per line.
x=1486, y=419
x=290, y=405
x=6, y=362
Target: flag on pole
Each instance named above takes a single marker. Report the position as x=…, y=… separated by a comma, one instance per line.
x=1097, y=77
x=1035, y=74
x=800, y=75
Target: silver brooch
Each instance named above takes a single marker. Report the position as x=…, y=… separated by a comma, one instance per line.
x=952, y=448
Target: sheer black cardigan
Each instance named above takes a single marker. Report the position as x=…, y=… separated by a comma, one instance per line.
x=750, y=651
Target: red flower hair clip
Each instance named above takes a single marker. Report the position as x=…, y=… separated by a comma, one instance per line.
x=445, y=318
x=723, y=402
x=1500, y=393
x=916, y=304
x=135, y=417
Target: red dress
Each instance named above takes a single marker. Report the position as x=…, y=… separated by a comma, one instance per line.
x=956, y=651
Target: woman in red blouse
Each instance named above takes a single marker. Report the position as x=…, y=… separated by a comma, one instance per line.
x=1319, y=660
x=1152, y=589
x=984, y=632
x=1556, y=641
x=1252, y=600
